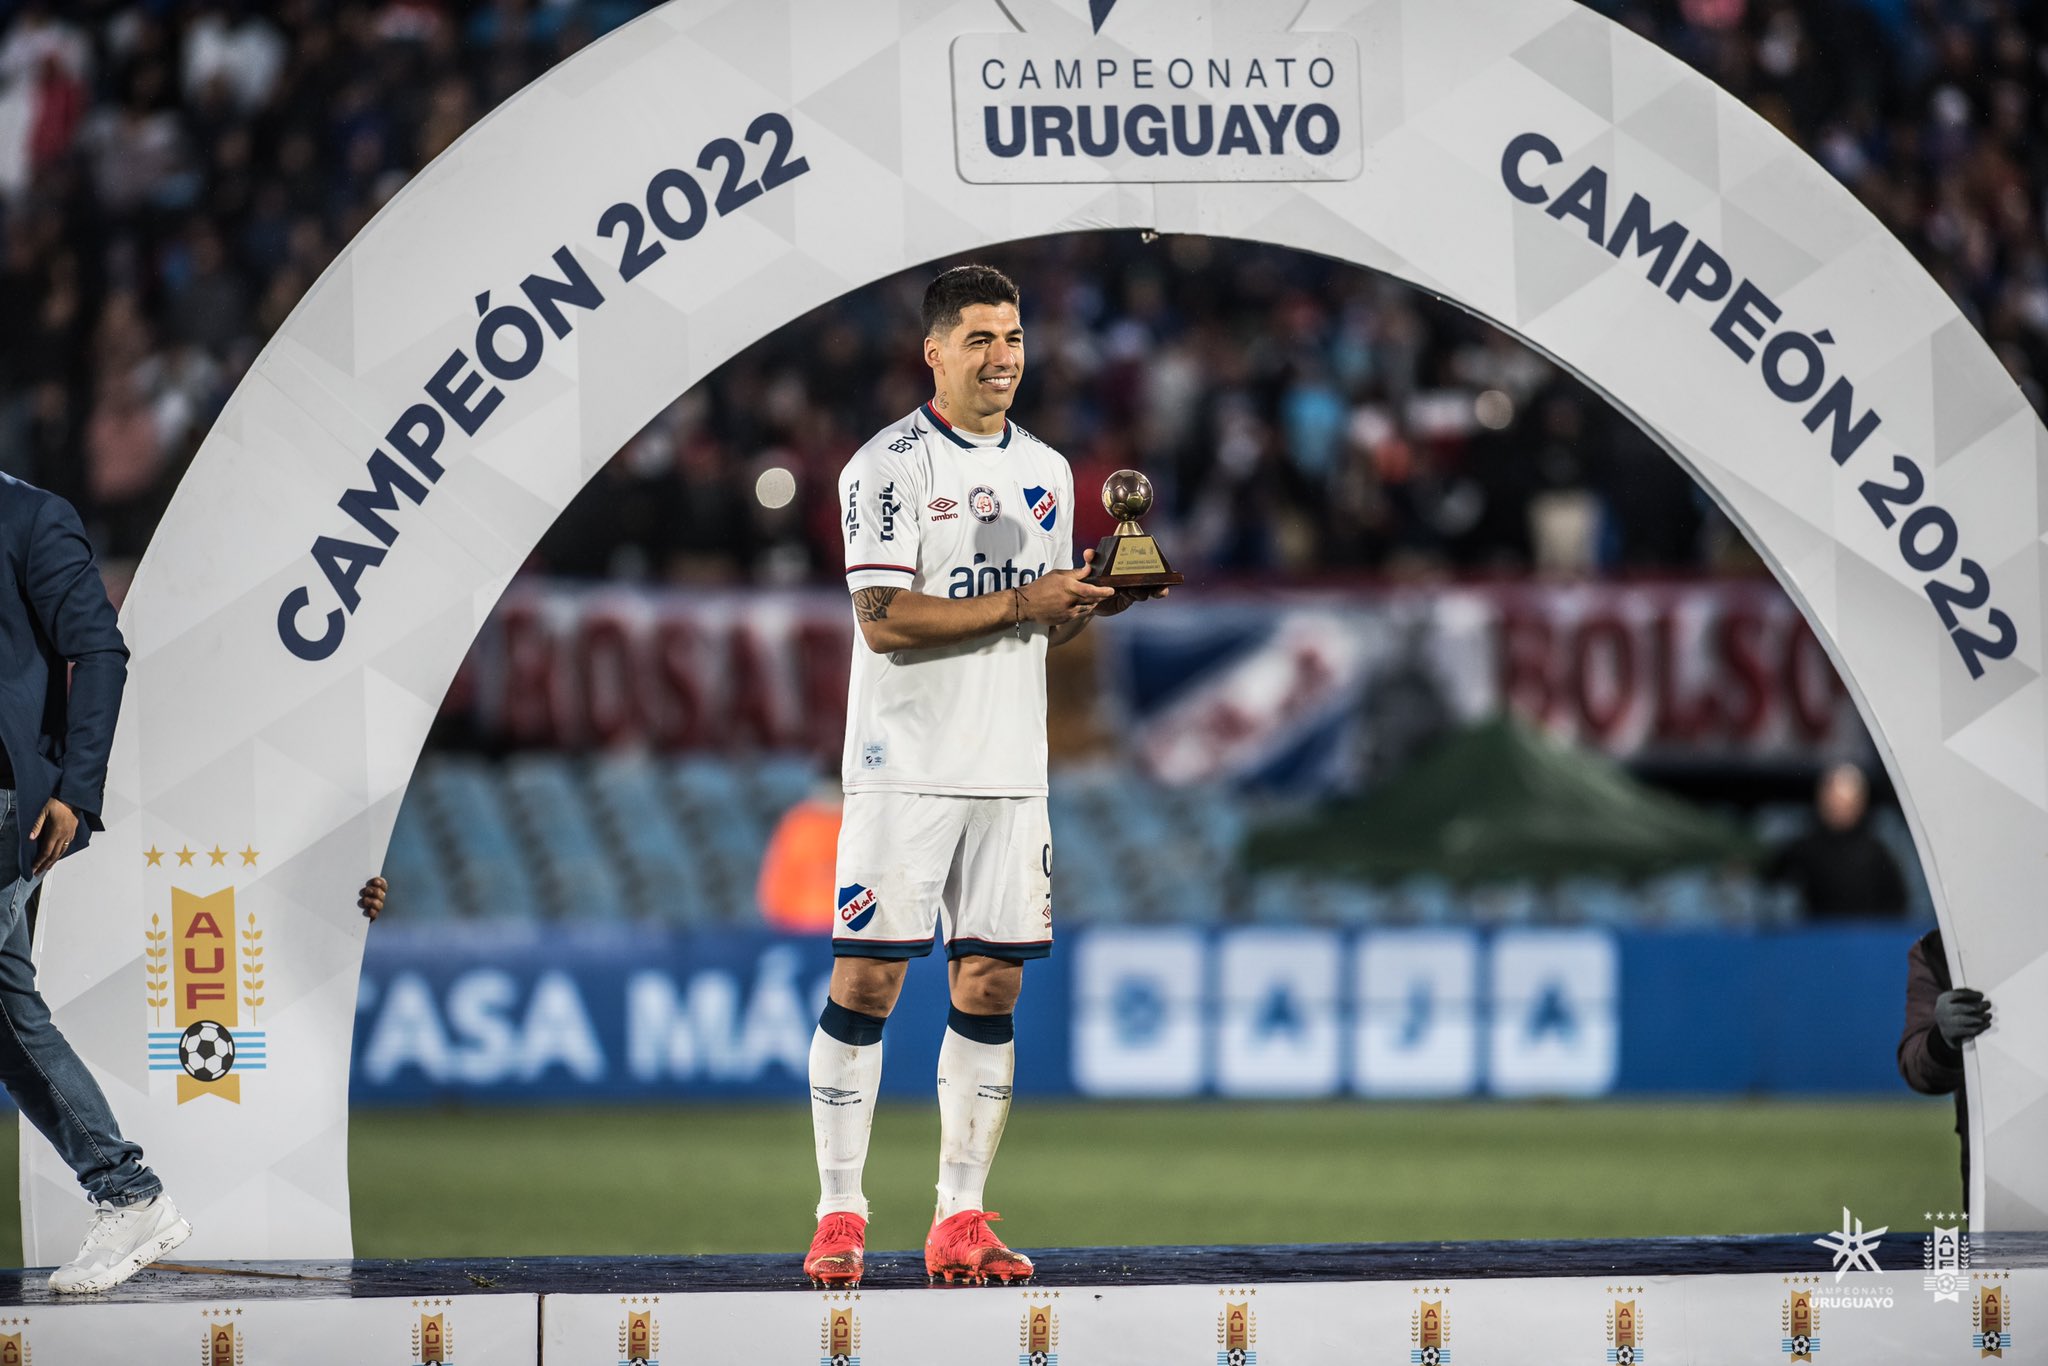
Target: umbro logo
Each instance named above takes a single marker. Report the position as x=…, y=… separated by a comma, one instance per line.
x=833, y=1095
x=942, y=509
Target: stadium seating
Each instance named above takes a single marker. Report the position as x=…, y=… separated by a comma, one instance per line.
x=638, y=839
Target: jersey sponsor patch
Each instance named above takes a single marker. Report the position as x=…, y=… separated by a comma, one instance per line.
x=889, y=508
x=1045, y=506
x=942, y=510
x=983, y=504
x=857, y=906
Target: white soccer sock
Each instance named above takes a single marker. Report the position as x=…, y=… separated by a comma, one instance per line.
x=845, y=1079
x=974, y=1104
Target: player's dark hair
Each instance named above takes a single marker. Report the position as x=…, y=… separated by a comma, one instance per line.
x=963, y=287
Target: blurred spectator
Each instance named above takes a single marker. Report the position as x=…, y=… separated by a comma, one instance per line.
x=175, y=175
x=799, y=871
x=1841, y=869
x=1940, y=1018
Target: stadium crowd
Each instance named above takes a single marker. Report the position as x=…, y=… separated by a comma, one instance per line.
x=174, y=174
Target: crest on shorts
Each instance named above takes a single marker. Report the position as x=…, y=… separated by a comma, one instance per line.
x=857, y=906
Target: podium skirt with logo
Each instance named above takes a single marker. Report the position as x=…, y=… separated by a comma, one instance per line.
x=979, y=869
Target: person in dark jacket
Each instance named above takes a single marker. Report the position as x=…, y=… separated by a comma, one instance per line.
x=1939, y=1018
x=55, y=620
x=1841, y=869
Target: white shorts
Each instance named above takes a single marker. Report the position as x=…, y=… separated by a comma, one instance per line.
x=978, y=867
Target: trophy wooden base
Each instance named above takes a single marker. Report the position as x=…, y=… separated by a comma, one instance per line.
x=1131, y=560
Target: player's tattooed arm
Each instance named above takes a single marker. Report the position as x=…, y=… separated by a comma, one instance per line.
x=872, y=604
x=892, y=618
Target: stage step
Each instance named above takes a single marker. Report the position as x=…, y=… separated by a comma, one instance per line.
x=1691, y=1300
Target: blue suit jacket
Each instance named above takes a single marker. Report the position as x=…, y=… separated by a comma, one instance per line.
x=54, y=611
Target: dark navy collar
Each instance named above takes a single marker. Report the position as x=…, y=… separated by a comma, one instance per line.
x=946, y=430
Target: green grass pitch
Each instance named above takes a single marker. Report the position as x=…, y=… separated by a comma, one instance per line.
x=677, y=1179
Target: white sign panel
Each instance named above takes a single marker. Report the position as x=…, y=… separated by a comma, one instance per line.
x=463, y=1330
x=1279, y=1034
x=1417, y=1028
x=1554, y=1027
x=1139, y=1026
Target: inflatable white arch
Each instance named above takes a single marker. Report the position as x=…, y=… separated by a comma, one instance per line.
x=719, y=167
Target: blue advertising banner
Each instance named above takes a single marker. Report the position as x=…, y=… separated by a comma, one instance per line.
x=559, y=1015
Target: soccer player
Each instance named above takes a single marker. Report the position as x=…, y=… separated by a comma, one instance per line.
x=959, y=557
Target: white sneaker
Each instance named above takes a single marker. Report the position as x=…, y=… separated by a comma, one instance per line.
x=122, y=1240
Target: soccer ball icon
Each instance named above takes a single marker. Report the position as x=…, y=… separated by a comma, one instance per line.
x=207, y=1051
x=1801, y=1345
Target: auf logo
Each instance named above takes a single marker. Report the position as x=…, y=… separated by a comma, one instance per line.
x=1098, y=10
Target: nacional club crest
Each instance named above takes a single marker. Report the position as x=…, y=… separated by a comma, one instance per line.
x=1624, y=1334
x=1430, y=1330
x=1236, y=1330
x=1039, y=1335
x=1045, y=506
x=840, y=1338
x=1991, y=1321
x=1801, y=1322
x=856, y=906
x=640, y=1339
x=203, y=975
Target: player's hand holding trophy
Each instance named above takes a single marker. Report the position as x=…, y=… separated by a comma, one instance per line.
x=1128, y=559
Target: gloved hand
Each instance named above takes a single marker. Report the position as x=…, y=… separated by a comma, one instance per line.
x=1961, y=1014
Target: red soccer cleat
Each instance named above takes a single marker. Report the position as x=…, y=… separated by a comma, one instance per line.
x=838, y=1250
x=965, y=1246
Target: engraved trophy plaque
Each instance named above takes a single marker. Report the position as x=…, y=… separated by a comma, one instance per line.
x=1129, y=557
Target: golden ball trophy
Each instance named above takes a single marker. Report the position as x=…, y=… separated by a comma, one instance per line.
x=1127, y=557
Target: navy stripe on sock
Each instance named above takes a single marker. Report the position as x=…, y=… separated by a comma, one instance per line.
x=850, y=1026
x=982, y=1028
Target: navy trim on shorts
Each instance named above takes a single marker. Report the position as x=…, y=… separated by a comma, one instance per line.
x=995, y=948
x=893, y=949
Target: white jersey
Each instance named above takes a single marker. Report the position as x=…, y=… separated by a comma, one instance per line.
x=936, y=510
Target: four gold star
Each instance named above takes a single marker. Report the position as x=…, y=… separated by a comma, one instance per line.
x=216, y=857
